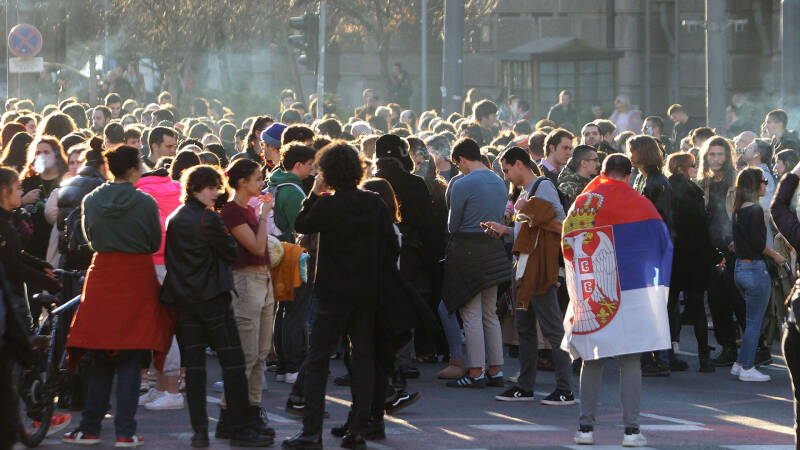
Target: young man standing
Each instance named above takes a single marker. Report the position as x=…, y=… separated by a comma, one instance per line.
x=475, y=199
x=581, y=168
x=683, y=124
x=536, y=296
x=557, y=151
x=162, y=141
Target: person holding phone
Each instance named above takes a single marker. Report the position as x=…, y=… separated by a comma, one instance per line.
x=253, y=302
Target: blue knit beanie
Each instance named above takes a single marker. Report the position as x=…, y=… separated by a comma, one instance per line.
x=272, y=135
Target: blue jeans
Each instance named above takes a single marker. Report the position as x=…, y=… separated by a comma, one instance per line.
x=451, y=331
x=753, y=281
x=101, y=377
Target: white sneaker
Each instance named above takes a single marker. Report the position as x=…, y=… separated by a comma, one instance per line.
x=634, y=440
x=291, y=377
x=752, y=374
x=735, y=369
x=166, y=402
x=144, y=386
x=584, y=438
x=280, y=377
x=150, y=396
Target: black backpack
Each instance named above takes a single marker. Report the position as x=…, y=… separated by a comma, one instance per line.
x=563, y=199
x=72, y=241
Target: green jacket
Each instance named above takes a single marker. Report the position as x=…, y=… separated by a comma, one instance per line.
x=117, y=217
x=288, y=200
x=571, y=184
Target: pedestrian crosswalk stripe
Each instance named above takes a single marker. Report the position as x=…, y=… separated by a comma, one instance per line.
x=512, y=427
x=670, y=419
x=760, y=447
x=603, y=447
x=658, y=427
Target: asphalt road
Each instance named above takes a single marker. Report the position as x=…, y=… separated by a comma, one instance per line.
x=687, y=410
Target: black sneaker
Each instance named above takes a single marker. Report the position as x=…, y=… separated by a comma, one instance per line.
x=676, y=364
x=726, y=357
x=515, y=394
x=655, y=369
x=496, y=380
x=343, y=380
x=468, y=382
x=295, y=408
x=401, y=400
x=763, y=357
x=559, y=398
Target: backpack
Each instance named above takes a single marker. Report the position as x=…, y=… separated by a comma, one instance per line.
x=72, y=240
x=272, y=225
x=565, y=203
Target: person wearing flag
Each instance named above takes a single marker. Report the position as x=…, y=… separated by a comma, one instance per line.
x=618, y=259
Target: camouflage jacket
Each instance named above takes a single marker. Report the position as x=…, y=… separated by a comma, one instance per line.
x=571, y=184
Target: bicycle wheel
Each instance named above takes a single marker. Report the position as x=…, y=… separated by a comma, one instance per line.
x=36, y=403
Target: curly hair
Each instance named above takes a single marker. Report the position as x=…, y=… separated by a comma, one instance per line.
x=340, y=165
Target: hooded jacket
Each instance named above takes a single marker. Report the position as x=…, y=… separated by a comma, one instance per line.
x=72, y=191
x=117, y=217
x=288, y=200
x=167, y=194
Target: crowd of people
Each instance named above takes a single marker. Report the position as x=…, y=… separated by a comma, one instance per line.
x=391, y=238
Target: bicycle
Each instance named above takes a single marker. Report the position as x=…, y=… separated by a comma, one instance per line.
x=43, y=381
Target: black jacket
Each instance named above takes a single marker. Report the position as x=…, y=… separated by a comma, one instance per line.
x=72, y=191
x=198, y=255
x=354, y=231
x=785, y=219
x=474, y=262
x=22, y=267
x=692, y=255
x=15, y=338
x=658, y=190
x=412, y=195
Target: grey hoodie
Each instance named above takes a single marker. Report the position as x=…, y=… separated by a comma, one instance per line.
x=117, y=217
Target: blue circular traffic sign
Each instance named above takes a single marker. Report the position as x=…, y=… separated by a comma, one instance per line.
x=25, y=40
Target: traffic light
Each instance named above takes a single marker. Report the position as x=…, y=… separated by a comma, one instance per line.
x=306, y=39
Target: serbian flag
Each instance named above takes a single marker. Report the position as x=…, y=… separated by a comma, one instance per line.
x=618, y=259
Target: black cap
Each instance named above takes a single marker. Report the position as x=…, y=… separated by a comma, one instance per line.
x=391, y=146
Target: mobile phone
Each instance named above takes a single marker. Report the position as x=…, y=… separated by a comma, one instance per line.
x=485, y=225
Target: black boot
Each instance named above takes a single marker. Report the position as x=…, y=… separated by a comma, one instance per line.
x=223, y=430
x=354, y=441
x=726, y=357
x=200, y=438
x=343, y=429
x=705, y=361
x=303, y=442
x=261, y=421
x=376, y=429
x=250, y=436
x=676, y=364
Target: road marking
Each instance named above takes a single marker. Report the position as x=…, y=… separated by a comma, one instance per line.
x=776, y=367
x=503, y=416
x=603, y=447
x=759, y=447
x=458, y=435
x=752, y=422
x=773, y=397
x=373, y=444
x=386, y=418
x=673, y=428
x=272, y=417
x=671, y=419
x=681, y=352
x=510, y=427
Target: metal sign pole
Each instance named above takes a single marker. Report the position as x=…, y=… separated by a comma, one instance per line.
x=321, y=61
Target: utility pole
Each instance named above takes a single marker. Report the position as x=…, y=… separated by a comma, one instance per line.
x=452, y=59
x=647, y=57
x=790, y=53
x=676, y=63
x=716, y=51
x=321, y=61
x=424, y=76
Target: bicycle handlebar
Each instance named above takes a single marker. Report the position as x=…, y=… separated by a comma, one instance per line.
x=67, y=305
x=69, y=273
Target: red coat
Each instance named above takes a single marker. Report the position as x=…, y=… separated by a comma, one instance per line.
x=120, y=310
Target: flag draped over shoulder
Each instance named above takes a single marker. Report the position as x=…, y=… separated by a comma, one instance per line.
x=618, y=259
